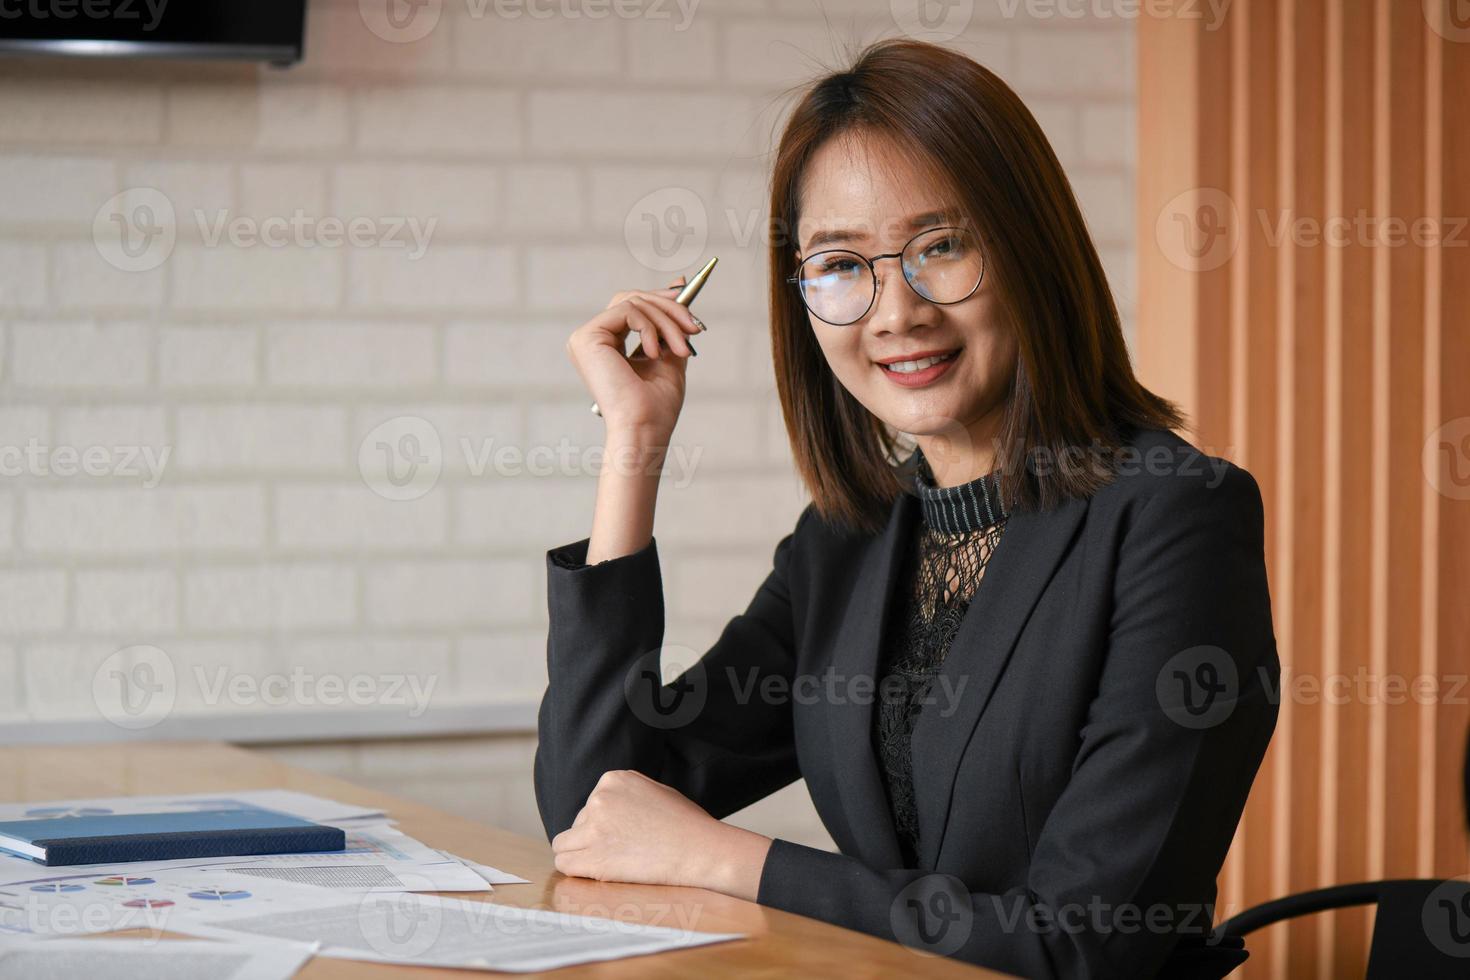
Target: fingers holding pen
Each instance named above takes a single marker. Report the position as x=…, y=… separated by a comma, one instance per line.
x=681, y=312
x=683, y=317
x=658, y=320
x=638, y=319
x=671, y=331
x=665, y=301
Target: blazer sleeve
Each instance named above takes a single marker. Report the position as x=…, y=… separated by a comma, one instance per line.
x=708, y=733
x=1126, y=860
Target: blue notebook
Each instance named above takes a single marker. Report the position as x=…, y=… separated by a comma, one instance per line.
x=123, y=837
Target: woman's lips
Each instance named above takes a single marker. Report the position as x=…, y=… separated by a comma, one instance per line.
x=925, y=376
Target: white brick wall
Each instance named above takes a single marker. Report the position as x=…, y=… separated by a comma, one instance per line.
x=255, y=371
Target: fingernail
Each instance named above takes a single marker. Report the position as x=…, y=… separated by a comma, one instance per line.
x=698, y=322
x=692, y=350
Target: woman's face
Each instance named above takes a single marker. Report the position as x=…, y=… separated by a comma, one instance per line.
x=858, y=195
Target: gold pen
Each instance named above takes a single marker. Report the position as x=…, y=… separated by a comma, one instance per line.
x=685, y=297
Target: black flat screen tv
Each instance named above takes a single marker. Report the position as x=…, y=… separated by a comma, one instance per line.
x=254, y=30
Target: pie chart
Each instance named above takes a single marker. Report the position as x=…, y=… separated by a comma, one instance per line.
x=123, y=880
x=147, y=903
x=56, y=888
x=220, y=894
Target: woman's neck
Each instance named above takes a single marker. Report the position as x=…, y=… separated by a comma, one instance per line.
x=955, y=460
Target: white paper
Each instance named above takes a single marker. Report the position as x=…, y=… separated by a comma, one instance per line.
x=492, y=876
x=378, y=857
x=158, y=960
x=446, y=877
x=15, y=870
x=432, y=931
x=83, y=904
x=168, y=959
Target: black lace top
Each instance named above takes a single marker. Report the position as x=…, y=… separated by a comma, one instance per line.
x=959, y=530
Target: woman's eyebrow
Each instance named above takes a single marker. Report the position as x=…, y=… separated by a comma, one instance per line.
x=830, y=236
x=939, y=216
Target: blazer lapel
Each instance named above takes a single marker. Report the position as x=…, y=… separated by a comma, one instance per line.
x=1030, y=548
x=855, y=664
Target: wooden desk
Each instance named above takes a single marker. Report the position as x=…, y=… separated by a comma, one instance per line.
x=778, y=943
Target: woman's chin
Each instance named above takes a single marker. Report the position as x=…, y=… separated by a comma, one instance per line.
x=931, y=418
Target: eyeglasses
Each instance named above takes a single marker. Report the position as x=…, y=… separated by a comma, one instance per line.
x=943, y=265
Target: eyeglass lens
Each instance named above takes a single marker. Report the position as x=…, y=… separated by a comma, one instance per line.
x=943, y=265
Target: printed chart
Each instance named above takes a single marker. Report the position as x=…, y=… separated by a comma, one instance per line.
x=105, y=904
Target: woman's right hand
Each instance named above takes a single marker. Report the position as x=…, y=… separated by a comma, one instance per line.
x=644, y=391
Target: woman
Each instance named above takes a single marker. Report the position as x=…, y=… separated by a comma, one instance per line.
x=1022, y=667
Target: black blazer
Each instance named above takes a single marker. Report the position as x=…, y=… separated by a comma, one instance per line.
x=1082, y=768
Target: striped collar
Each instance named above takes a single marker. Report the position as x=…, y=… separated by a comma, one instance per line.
x=970, y=506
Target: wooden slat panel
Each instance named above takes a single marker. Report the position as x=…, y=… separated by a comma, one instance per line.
x=1215, y=169
x=1301, y=316
x=1350, y=466
x=1253, y=372
x=1330, y=367
x=1167, y=89
x=1452, y=328
x=1399, y=342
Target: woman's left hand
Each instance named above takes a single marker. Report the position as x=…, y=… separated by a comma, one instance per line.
x=638, y=830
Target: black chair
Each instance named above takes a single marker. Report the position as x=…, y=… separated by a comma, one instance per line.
x=1422, y=928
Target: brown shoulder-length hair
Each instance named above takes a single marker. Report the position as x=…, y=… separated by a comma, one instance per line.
x=1073, y=392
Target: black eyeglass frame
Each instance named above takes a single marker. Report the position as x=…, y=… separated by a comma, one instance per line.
x=795, y=278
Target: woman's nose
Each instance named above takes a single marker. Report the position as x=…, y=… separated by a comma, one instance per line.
x=897, y=307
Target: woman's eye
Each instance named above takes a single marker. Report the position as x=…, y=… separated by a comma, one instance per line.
x=838, y=267
x=945, y=246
